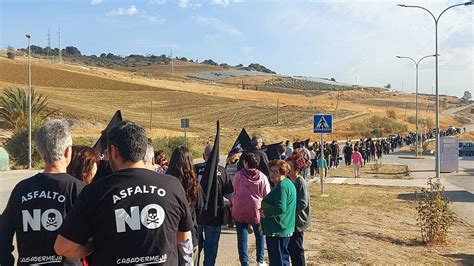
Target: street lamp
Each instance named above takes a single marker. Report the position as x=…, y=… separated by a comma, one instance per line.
x=416, y=104
x=436, y=20
x=29, y=100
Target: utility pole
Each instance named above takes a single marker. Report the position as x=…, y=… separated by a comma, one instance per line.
x=151, y=114
x=278, y=111
x=29, y=101
x=337, y=104
x=172, y=64
x=59, y=46
x=49, y=43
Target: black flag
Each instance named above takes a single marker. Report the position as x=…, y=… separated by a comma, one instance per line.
x=301, y=144
x=101, y=144
x=209, y=178
x=272, y=150
x=243, y=140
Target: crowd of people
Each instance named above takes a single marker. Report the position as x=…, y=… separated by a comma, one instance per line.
x=127, y=204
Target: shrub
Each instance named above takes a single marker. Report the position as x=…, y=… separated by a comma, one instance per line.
x=378, y=125
x=14, y=108
x=377, y=132
x=434, y=215
x=168, y=144
x=85, y=141
x=17, y=147
x=391, y=114
x=411, y=119
x=11, y=55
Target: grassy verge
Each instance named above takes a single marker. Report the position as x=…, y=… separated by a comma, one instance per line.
x=379, y=171
x=376, y=225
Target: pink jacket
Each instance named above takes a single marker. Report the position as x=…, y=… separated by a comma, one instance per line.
x=250, y=187
x=356, y=158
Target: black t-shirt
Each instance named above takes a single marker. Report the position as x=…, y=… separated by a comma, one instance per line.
x=133, y=216
x=36, y=209
x=224, y=187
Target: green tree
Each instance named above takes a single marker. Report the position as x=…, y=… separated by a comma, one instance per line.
x=467, y=97
x=14, y=108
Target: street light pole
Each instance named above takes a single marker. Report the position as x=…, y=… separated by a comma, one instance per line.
x=436, y=20
x=29, y=100
x=416, y=96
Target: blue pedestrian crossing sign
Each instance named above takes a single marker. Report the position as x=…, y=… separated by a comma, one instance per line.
x=322, y=124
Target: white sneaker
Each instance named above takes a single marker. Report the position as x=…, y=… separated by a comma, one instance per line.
x=262, y=264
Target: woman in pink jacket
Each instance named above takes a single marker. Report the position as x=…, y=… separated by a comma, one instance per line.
x=250, y=187
x=357, y=161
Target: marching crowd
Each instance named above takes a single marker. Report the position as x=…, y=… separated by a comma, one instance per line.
x=127, y=204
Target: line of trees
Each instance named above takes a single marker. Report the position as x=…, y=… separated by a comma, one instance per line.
x=133, y=60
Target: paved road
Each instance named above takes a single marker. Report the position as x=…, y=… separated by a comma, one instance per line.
x=452, y=113
x=459, y=187
x=228, y=254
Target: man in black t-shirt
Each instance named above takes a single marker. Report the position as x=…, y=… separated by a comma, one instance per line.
x=209, y=225
x=38, y=205
x=134, y=216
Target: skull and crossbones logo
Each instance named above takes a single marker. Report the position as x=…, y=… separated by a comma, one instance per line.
x=152, y=217
x=51, y=220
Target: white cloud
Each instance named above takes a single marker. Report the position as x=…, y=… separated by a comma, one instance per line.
x=153, y=19
x=224, y=3
x=218, y=25
x=124, y=11
x=364, y=38
x=184, y=3
x=96, y=2
x=157, y=2
x=187, y=4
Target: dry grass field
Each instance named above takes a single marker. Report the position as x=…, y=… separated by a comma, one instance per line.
x=379, y=171
x=346, y=230
x=89, y=96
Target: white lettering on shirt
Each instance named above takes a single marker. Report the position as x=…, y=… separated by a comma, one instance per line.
x=152, y=217
x=144, y=189
x=51, y=220
x=43, y=195
x=143, y=260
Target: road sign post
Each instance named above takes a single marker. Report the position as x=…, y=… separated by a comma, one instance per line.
x=322, y=125
x=185, y=126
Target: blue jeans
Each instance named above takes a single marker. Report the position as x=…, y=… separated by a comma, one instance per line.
x=278, y=251
x=209, y=241
x=242, y=242
x=296, y=249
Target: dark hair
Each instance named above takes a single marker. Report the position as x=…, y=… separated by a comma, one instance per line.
x=82, y=161
x=283, y=167
x=182, y=167
x=252, y=159
x=356, y=149
x=160, y=158
x=281, y=148
x=130, y=140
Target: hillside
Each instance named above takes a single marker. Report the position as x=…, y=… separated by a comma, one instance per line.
x=88, y=96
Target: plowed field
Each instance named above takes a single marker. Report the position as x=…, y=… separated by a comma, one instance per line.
x=92, y=95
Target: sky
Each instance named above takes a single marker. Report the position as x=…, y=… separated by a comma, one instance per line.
x=354, y=42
